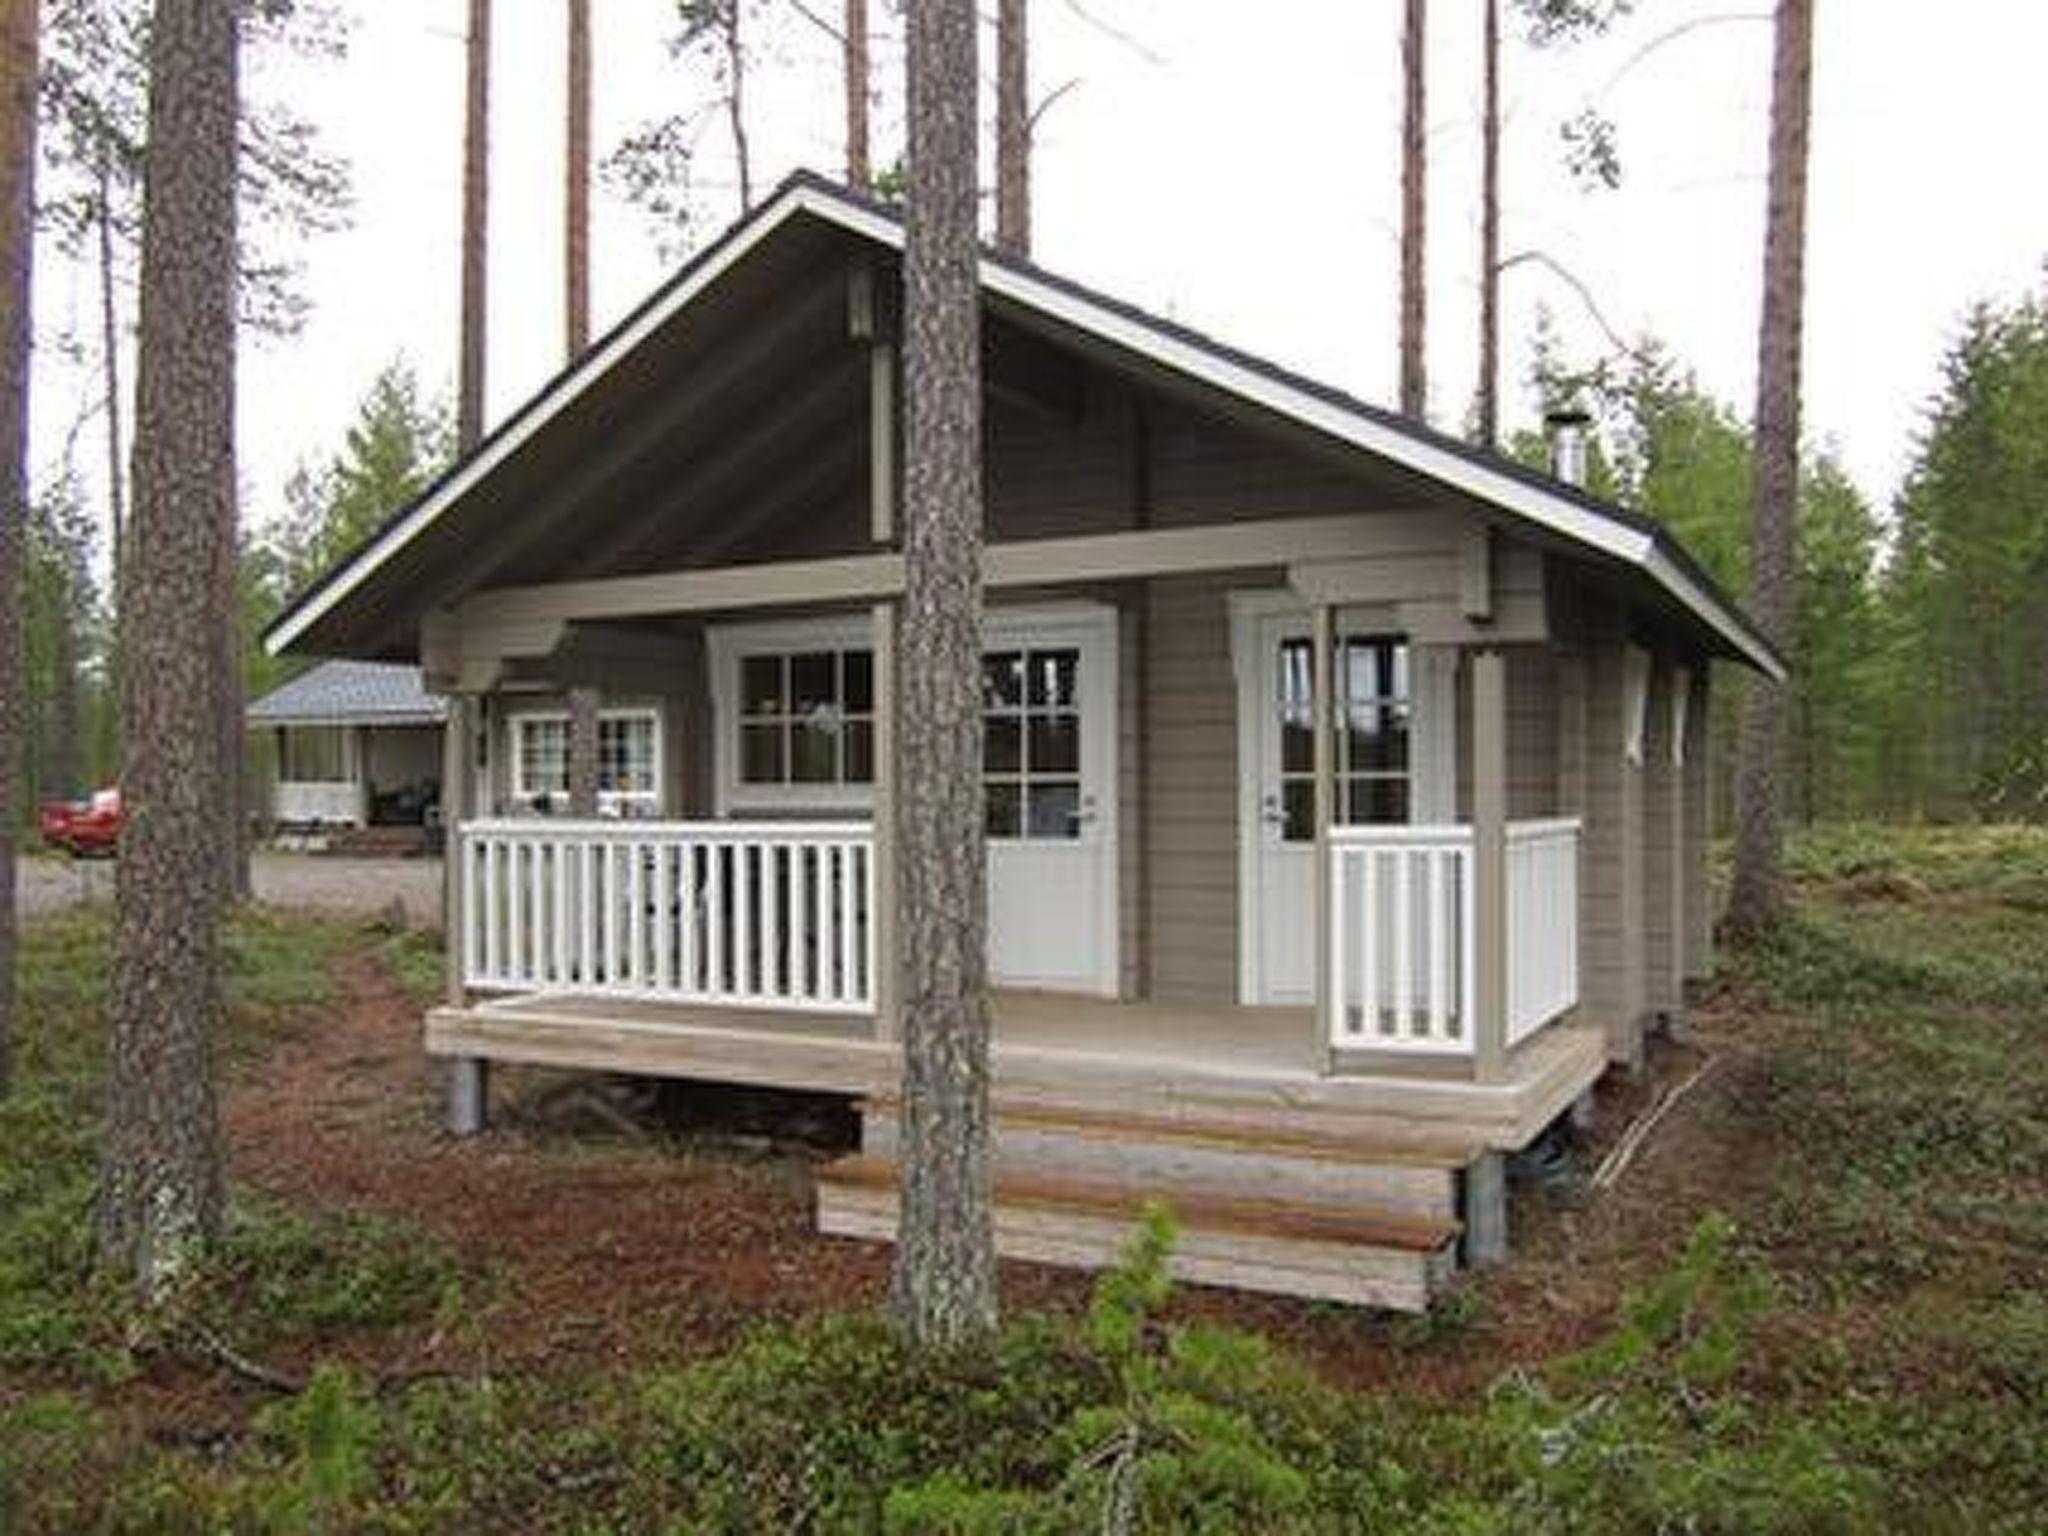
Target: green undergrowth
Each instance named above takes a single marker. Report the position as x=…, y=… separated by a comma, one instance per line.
x=1118, y=1420
x=278, y=1276
x=1859, y=1344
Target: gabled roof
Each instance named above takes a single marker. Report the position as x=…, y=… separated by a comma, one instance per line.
x=1512, y=490
x=350, y=693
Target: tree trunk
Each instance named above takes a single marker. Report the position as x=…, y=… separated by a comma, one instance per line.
x=67, y=732
x=1013, y=128
x=859, y=168
x=476, y=219
x=1756, y=896
x=576, y=184
x=161, y=1181
x=945, y=1281
x=583, y=776
x=18, y=65
x=1486, y=405
x=110, y=367
x=1414, y=210
x=736, y=102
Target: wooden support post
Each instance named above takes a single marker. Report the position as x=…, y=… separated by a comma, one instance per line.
x=1490, y=865
x=1486, y=1211
x=887, y=978
x=1696, y=792
x=1322, y=623
x=458, y=781
x=869, y=319
x=469, y=1095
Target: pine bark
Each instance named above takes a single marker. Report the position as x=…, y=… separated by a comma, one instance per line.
x=1013, y=128
x=859, y=165
x=110, y=368
x=1756, y=895
x=945, y=1279
x=161, y=1180
x=583, y=777
x=1414, y=209
x=576, y=184
x=476, y=218
x=1486, y=404
x=18, y=65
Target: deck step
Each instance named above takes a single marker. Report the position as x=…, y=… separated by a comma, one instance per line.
x=1366, y=1256
x=1180, y=1155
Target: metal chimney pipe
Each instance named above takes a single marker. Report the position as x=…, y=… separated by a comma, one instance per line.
x=1568, y=426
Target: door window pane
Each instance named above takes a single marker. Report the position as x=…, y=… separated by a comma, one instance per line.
x=1031, y=742
x=1002, y=744
x=1372, y=748
x=1003, y=810
x=1055, y=811
x=1055, y=744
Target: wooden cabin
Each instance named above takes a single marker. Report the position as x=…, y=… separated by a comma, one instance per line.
x=1346, y=796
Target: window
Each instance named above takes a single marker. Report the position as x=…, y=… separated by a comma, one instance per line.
x=314, y=754
x=807, y=717
x=628, y=759
x=1373, y=729
x=1031, y=743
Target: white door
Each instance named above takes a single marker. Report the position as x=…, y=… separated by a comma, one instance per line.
x=1391, y=767
x=1049, y=756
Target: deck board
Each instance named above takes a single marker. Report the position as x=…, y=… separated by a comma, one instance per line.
x=1219, y=1065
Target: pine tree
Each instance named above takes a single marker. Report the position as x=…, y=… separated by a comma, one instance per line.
x=1756, y=893
x=161, y=1188
x=19, y=36
x=945, y=1282
x=476, y=218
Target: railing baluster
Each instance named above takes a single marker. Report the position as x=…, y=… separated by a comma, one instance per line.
x=846, y=991
x=1439, y=944
x=1404, y=941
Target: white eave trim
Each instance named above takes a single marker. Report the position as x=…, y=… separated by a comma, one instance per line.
x=1633, y=546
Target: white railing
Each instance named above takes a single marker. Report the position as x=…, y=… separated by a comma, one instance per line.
x=741, y=914
x=1543, y=923
x=306, y=802
x=1403, y=959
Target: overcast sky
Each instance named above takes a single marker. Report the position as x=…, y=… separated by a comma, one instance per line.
x=1235, y=168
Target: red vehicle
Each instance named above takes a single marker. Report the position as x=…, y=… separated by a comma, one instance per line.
x=83, y=828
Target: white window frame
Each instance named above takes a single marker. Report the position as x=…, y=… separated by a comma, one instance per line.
x=610, y=802
x=730, y=646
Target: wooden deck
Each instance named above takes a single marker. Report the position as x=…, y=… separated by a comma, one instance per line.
x=1259, y=1068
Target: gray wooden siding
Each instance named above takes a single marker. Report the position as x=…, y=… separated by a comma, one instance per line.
x=1698, y=831
x=1612, y=987
x=1661, y=870
x=1189, y=742
x=1133, y=899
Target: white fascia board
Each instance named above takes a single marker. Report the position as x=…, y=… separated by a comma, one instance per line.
x=567, y=389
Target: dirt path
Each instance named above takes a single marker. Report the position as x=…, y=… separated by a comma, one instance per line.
x=598, y=1249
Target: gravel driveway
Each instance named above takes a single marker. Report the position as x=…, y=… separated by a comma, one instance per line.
x=312, y=882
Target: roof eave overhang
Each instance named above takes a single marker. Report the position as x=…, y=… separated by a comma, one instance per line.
x=1553, y=510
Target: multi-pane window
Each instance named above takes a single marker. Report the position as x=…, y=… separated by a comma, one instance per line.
x=808, y=717
x=628, y=758
x=1373, y=732
x=1031, y=742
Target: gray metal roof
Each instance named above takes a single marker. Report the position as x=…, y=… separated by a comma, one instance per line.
x=350, y=693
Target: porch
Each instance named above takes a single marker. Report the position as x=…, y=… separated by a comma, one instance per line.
x=751, y=951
